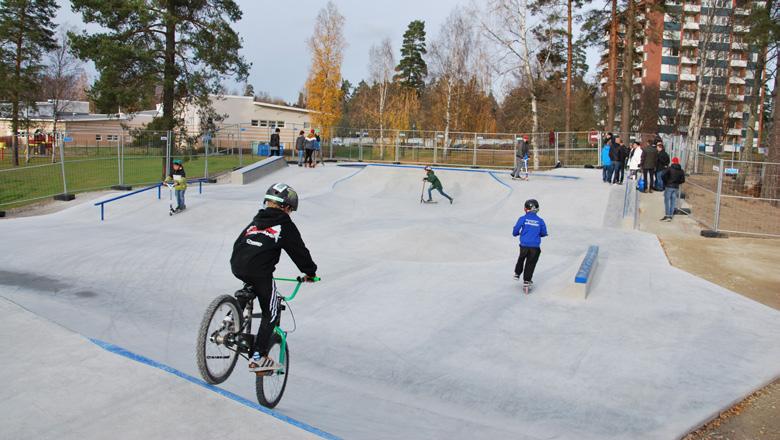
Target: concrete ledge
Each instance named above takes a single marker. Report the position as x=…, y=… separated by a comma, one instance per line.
x=65, y=197
x=257, y=170
x=586, y=272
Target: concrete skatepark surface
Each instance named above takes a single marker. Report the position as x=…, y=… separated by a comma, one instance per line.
x=418, y=330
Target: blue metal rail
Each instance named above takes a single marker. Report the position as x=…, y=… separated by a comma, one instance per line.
x=103, y=203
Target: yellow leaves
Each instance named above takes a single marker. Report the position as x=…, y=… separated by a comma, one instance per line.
x=323, y=87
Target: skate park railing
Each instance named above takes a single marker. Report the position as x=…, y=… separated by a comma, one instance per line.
x=257, y=170
x=102, y=204
x=586, y=272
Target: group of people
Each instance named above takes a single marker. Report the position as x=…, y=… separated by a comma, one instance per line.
x=306, y=147
x=658, y=171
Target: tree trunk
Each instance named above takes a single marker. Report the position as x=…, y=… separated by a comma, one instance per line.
x=447, y=118
x=758, y=87
x=15, y=89
x=535, y=125
x=770, y=187
x=612, y=69
x=169, y=71
x=569, y=60
x=628, y=74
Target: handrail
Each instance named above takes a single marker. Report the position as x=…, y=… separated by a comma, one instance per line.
x=159, y=196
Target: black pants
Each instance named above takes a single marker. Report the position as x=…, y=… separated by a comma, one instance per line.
x=649, y=183
x=526, y=262
x=275, y=151
x=620, y=172
x=308, y=159
x=265, y=292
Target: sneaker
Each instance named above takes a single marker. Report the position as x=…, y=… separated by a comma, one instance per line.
x=264, y=363
x=663, y=219
x=516, y=277
x=668, y=218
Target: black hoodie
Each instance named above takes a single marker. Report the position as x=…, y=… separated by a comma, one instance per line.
x=259, y=246
x=674, y=176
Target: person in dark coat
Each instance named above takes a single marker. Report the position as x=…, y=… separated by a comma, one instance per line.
x=661, y=164
x=619, y=164
x=673, y=178
x=274, y=143
x=649, y=159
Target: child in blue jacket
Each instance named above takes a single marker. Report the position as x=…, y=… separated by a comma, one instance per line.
x=531, y=228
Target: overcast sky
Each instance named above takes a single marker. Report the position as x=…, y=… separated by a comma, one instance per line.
x=275, y=33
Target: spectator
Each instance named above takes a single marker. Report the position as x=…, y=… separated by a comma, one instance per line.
x=634, y=159
x=299, y=146
x=606, y=162
x=274, y=143
x=309, y=146
x=649, y=159
x=614, y=157
x=620, y=165
x=521, y=159
x=661, y=164
x=657, y=139
x=673, y=178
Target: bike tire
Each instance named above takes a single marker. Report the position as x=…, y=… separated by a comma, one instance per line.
x=270, y=389
x=208, y=370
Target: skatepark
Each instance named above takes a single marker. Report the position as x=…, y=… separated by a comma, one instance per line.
x=416, y=331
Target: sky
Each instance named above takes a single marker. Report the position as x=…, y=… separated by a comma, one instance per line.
x=274, y=35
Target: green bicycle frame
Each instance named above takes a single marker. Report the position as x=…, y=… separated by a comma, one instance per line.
x=282, y=334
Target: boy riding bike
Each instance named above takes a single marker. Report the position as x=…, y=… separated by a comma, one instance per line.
x=255, y=254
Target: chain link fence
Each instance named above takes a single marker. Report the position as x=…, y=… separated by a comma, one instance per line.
x=733, y=196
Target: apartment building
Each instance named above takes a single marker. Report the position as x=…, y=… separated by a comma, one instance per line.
x=687, y=46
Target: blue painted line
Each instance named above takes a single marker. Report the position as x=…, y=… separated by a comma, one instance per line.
x=465, y=170
x=583, y=274
x=348, y=177
x=501, y=181
x=246, y=402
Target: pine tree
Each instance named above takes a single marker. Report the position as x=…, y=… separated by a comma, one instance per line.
x=26, y=33
x=412, y=69
x=188, y=48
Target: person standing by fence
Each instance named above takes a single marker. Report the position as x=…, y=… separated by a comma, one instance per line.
x=672, y=179
x=634, y=160
x=274, y=143
x=606, y=162
x=660, y=166
x=649, y=159
x=308, y=145
x=521, y=159
x=300, y=141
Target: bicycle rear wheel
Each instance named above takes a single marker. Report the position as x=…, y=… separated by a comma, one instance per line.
x=216, y=353
x=270, y=387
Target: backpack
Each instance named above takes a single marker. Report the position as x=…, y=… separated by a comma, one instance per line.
x=640, y=184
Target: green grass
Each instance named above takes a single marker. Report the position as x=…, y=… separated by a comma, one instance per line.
x=42, y=179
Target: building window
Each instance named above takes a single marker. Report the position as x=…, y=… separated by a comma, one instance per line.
x=98, y=137
x=280, y=124
x=112, y=137
x=264, y=123
x=306, y=125
x=668, y=68
x=254, y=122
x=669, y=52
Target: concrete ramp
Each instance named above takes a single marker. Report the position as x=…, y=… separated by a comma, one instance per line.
x=57, y=384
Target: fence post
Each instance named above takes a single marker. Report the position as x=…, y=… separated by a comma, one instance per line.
x=717, y=196
x=556, y=145
x=62, y=166
x=119, y=161
x=206, y=159
x=167, y=154
x=435, y=141
x=397, y=147
x=360, y=146
x=474, y=158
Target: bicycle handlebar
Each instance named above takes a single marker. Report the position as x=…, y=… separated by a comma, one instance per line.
x=300, y=281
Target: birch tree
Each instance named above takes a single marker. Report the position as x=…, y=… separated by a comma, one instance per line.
x=381, y=68
x=451, y=58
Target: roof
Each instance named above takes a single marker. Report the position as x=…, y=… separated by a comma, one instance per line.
x=284, y=107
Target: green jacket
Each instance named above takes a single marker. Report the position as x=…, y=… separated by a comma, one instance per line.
x=435, y=183
x=180, y=183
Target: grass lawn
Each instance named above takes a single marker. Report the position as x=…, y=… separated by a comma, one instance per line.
x=41, y=179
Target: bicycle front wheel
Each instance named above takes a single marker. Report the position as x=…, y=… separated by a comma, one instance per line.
x=216, y=352
x=270, y=387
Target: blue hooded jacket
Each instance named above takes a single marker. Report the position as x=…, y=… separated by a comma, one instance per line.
x=531, y=228
x=605, y=160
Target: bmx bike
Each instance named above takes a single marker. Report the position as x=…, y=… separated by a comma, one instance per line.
x=226, y=334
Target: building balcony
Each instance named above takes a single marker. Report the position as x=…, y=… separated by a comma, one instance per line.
x=687, y=77
x=736, y=80
x=692, y=25
x=692, y=8
x=749, y=74
x=690, y=42
x=741, y=11
x=738, y=63
x=687, y=94
x=687, y=60
x=638, y=80
x=740, y=29
x=604, y=80
x=734, y=131
x=739, y=46
x=736, y=97
x=735, y=115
